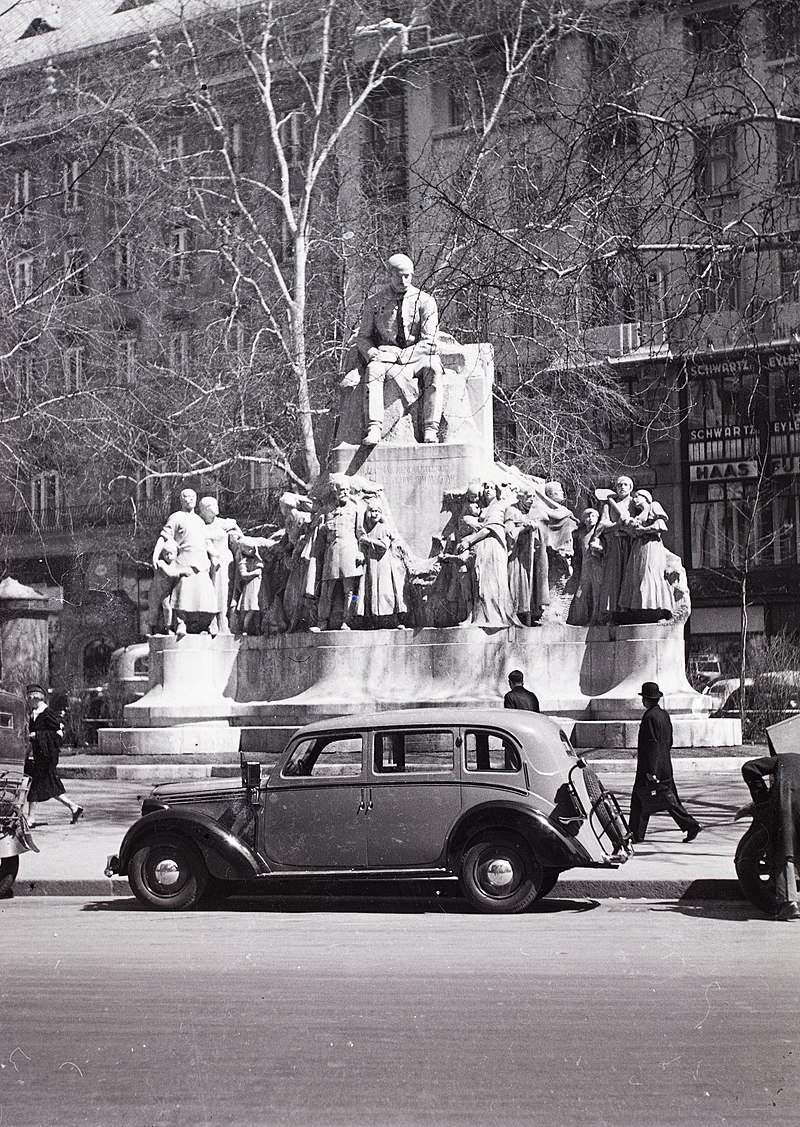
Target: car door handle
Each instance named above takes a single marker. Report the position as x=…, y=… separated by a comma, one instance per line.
x=362, y=806
x=369, y=799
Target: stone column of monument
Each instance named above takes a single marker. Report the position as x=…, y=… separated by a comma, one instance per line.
x=24, y=616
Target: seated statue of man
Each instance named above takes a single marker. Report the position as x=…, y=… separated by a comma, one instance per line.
x=397, y=338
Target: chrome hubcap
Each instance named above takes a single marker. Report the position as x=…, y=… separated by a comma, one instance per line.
x=499, y=873
x=167, y=873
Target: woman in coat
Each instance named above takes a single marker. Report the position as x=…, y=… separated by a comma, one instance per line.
x=46, y=734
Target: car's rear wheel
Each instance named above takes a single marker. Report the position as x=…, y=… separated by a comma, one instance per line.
x=168, y=872
x=753, y=869
x=9, y=867
x=500, y=874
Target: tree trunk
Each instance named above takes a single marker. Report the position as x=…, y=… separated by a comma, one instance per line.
x=299, y=359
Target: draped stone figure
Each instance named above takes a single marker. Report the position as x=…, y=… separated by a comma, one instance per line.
x=527, y=559
x=645, y=592
x=588, y=572
x=616, y=543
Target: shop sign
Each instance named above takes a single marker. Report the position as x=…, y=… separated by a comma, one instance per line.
x=723, y=471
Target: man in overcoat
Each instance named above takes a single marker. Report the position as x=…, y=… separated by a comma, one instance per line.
x=654, y=786
x=783, y=821
x=518, y=696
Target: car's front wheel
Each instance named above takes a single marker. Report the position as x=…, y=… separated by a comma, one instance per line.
x=167, y=872
x=500, y=874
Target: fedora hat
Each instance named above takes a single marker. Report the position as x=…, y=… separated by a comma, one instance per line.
x=651, y=691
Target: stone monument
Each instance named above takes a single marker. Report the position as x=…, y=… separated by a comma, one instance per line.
x=419, y=571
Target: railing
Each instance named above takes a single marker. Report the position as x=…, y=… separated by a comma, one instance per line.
x=251, y=508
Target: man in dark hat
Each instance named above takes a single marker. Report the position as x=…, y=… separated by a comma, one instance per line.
x=654, y=787
x=518, y=696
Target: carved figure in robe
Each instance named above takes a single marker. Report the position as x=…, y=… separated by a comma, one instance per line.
x=249, y=570
x=527, y=559
x=645, y=593
x=588, y=572
x=168, y=573
x=220, y=532
x=194, y=602
x=491, y=603
x=381, y=588
x=617, y=544
x=338, y=561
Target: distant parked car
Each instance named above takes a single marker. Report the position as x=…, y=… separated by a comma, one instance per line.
x=769, y=698
x=703, y=669
x=495, y=798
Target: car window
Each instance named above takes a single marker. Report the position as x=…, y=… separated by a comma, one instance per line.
x=404, y=753
x=325, y=757
x=489, y=751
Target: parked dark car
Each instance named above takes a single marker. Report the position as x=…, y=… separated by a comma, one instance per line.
x=769, y=698
x=495, y=798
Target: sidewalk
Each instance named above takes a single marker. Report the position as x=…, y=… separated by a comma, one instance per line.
x=72, y=858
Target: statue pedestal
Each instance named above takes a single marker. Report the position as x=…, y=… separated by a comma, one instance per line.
x=250, y=694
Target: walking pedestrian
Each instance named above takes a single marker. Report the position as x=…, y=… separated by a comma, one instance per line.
x=783, y=822
x=654, y=787
x=518, y=696
x=46, y=734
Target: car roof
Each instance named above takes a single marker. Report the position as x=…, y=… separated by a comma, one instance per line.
x=516, y=721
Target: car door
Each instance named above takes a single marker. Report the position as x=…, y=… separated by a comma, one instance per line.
x=413, y=796
x=315, y=809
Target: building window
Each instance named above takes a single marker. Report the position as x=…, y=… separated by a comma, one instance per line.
x=70, y=185
x=73, y=368
x=179, y=262
x=22, y=189
x=383, y=156
x=124, y=274
x=45, y=494
x=788, y=145
x=457, y=109
x=176, y=149
x=790, y=274
x=235, y=145
x=127, y=348
x=783, y=29
x=179, y=353
x=715, y=162
x=76, y=273
x=122, y=172
x=714, y=37
x=23, y=277
x=718, y=282
x=262, y=474
x=25, y=373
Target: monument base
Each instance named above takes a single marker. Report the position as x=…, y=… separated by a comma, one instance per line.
x=249, y=694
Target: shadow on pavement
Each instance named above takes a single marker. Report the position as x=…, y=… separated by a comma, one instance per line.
x=731, y=911
x=410, y=903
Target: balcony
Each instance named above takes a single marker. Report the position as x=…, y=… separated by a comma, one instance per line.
x=629, y=340
x=251, y=508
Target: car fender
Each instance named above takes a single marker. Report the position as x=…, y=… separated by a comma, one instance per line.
x=553, y=848
x=225, y=855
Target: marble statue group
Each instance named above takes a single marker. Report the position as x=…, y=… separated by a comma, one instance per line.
x=510, y=551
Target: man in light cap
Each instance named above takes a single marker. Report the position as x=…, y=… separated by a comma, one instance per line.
x=397, y=338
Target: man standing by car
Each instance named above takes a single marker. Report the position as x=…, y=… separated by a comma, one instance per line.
x=654, y=787
x=783, y=822
x=518, y=696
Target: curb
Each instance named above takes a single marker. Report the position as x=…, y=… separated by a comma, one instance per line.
x=676, y=889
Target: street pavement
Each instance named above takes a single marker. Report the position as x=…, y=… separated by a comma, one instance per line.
x=72, y=858
x=419, y=1013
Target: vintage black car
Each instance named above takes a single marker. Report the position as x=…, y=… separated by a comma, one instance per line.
x=496, y=798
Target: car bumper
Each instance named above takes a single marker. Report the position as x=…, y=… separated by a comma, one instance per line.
x=112, y=866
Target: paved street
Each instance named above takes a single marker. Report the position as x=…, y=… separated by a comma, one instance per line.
x=404, y=1012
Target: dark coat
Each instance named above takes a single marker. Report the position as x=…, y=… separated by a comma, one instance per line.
x=42, y=765
x=520, y=697
x=654, y=786
x=783, y=798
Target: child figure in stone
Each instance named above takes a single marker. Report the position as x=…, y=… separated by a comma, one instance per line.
x=163, y=588
x=249, y=570
x=381, y=589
